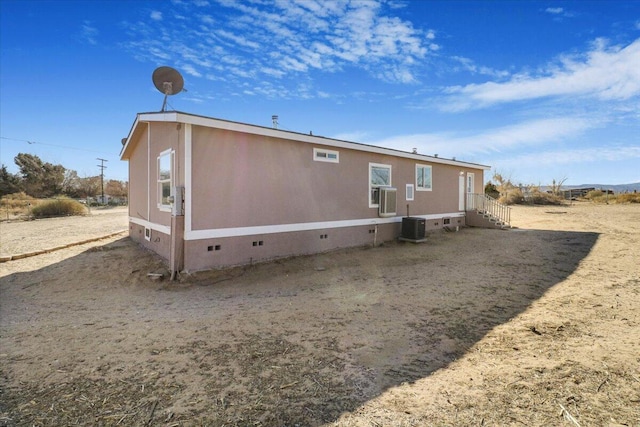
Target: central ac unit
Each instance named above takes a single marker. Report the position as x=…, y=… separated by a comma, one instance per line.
x=387, y=202
x=413, y=228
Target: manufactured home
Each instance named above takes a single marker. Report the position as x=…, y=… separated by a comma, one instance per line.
x=208, y=193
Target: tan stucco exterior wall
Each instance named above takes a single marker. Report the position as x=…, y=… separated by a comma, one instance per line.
x=241, y=180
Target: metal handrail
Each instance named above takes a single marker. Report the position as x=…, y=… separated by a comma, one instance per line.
x=489, y=206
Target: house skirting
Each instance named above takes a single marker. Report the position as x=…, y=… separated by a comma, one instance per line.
x=211, y=253
x=229, y=251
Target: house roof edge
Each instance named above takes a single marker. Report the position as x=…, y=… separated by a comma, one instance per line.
x=188, y=118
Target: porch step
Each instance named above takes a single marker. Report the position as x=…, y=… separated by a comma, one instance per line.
x=489, y=213
x=486, y=220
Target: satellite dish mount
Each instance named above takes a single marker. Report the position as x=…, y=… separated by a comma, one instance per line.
x=168, y=81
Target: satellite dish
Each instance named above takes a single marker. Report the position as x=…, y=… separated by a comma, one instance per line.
x=168, y=81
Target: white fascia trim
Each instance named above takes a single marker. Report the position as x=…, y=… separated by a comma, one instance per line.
x=149, y=185
x=157, y=227
x=187, y=177
x=129, y=135
x=305, y=226
x=295, y=136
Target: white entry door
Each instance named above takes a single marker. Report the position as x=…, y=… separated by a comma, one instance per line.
x=461, y=192
x=471, y=201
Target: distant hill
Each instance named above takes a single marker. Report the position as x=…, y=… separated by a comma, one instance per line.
x=617, y=188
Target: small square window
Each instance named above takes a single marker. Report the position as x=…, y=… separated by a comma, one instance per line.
x=410, y=192
x=322, y=155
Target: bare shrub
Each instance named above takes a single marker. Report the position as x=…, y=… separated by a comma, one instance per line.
x=512, y=197
x=17, y=204
x=556, y=186
x=594, y=194
x=628, y=198
x=503, y=185
x=598, y=196
x=543, y=198
x=58, y=207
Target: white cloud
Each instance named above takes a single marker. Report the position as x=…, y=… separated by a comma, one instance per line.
x=207, y=19
x=283, y=38
x=89, y=33
x=554, y=10
x=467, y=64
x=239, y=40
x=605, y=73
x=532, y=133
x=189, y=69
x=559, y=13
x=573, y=156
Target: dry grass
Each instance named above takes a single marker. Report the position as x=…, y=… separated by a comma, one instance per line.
x=22, y=206
x=58, y=207
x=17, y=205
x=537, y=197
x=598, y=196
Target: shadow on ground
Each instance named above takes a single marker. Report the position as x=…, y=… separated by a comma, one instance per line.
x=91, y=340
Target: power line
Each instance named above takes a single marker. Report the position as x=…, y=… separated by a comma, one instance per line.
x=53, y=145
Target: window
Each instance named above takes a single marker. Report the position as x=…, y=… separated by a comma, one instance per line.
x=423, y=178
x=321, y=155
x=379, y=176
x=409, y=192
x=165, y=179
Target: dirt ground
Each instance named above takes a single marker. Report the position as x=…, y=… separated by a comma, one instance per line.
x=20, y=237
x=537, y=326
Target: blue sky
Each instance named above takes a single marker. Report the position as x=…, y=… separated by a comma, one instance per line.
x=538, y=90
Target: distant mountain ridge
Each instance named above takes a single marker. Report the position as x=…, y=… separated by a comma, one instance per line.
x=617, y=188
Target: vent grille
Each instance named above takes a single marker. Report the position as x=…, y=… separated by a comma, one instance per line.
x=387, y=204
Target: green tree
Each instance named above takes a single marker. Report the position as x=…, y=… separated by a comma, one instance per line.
x=9, y=183
x=40, y=179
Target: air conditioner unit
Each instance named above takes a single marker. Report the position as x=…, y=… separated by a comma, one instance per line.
x=413, y=228
x=387, y=202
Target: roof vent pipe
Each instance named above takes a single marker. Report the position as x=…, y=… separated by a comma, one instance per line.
x=274, y=120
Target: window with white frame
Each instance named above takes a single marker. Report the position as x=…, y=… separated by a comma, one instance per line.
x=410, y=192
x=165, y=179
x=423, y=178
x=322, y=155
x=379, y=176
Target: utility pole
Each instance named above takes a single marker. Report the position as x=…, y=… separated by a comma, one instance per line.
x=102, y=168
